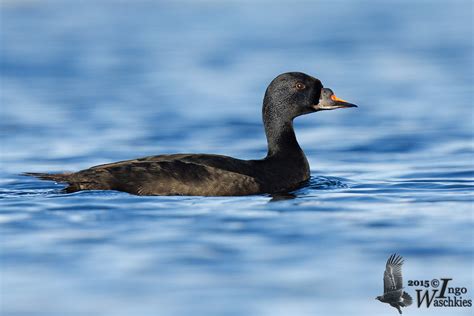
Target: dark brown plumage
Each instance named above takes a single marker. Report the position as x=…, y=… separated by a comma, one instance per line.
x=283, y=169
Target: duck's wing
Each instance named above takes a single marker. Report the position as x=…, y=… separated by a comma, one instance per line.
x=392, y=278
x=181, y=174
x=217, y=161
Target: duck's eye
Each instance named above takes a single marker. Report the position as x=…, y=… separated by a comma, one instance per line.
x=300, y=86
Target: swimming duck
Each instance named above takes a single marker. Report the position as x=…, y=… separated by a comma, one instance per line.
x=285, y=168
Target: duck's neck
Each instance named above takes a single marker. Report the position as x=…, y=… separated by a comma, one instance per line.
x=284, y=152
x=281, y=137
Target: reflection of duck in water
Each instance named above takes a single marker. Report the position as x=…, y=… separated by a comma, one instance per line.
x=284, y=168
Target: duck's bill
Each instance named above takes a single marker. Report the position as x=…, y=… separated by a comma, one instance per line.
x=342, y=103
x=332, y=103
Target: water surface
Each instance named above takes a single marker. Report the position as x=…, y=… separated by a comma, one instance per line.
x=90, y=82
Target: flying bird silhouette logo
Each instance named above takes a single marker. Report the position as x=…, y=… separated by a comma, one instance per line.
x=393, y=293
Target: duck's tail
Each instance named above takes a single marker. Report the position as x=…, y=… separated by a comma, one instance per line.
x=58, y=177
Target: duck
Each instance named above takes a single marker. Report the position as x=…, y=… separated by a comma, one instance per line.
x=285, y=168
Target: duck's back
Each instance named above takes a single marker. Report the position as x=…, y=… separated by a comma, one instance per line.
x=180, y=174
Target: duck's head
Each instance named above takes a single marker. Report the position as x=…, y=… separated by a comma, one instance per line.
x=295, y=93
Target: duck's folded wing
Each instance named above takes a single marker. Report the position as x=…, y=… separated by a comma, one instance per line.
x=172, y=177
x=218, y=161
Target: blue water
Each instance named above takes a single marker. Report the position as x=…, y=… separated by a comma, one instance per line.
x=90, y=82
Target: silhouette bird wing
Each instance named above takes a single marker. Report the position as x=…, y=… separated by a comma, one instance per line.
x=392, y=277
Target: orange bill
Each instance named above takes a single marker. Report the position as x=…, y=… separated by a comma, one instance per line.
x=334, y=98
